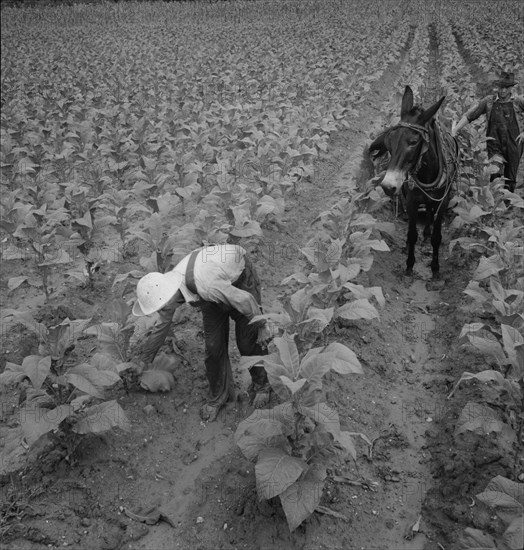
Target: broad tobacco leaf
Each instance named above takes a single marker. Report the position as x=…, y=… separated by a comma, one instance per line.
x=249, y=228
x=357, y=309
x=475, y=291
x=274, y=372
x=36, y=422
x=300, y=302
x=283, y=413
x=14, y=282
x=34, y=367
x=322, y=414
x=319, y=319
x=481, y=419
x=512, y=338
x=484, y=376
x=360, y=292
x=481, y=337
x=254, y=435
x=293, y=385
x=276, y=471
x=118, y=312
x=102, y=418
x=514, y=535
x=347, y=443
x=511, y=488
x=103, y=362
x=313, y=368
x=487, y=267
x=137, y=274
x=13, y=452
x=13, y=316
x=288, y=352
x=474, y=539
x=343, y=360
x=37, y=368
x=62, y=336
x=108, y=335
x=90, y=380
x=301, y=498
x=506, y=505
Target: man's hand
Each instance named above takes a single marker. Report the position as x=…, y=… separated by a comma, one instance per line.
x=520, y=137
x=266, y=333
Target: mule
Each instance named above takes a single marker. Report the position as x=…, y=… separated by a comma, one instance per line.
x=422, y=167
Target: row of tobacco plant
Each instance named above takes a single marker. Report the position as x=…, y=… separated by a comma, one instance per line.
x=489, y=219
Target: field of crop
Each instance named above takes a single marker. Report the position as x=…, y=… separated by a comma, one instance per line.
x=131, y=133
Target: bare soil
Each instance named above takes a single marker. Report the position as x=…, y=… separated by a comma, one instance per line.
x=196, y=475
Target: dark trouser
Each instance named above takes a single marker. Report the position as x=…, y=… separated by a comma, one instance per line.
x=504, y=132
x=510, y=173
x=216, y=332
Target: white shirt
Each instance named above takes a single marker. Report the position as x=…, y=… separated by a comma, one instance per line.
x=217, y=267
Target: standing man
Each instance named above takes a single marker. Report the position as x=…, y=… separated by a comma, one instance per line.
x=222, y=282
x=505, y=126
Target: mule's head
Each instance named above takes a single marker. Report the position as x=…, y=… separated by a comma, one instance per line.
x=407, y=141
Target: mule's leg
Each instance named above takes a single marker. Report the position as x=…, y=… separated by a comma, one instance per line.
x=436, y=239
x=412, y=234
x=429, y=222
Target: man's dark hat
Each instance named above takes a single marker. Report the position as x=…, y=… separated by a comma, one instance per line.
x=506, y=80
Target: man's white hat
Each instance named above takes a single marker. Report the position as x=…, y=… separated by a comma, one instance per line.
x=154, y=291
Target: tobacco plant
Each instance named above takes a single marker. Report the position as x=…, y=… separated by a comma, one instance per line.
x=294, y=443
x=64, y=401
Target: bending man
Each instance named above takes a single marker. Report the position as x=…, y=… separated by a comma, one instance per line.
x=221, y=280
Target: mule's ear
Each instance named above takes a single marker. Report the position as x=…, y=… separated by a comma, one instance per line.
x=428, y=114
x=407, y=101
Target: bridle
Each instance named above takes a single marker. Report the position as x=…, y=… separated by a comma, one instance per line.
x=424, y=132
x=412, y=181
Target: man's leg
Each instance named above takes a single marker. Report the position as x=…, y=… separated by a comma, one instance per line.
x=247, y=335
x=218, y=366
x=511, y=168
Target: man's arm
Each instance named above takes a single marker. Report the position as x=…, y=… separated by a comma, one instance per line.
x=460, y=124
x=155, y=337
x=519, y=102
x=225, y=293
x=470, y=115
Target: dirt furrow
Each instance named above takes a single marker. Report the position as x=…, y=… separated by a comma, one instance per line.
x=393, y=403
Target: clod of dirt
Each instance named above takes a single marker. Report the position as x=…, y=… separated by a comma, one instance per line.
x=157, y=381
x=135, y=532
x=149, y=409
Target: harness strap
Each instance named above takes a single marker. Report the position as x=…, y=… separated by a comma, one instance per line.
x=190, y=272
x=417, y=127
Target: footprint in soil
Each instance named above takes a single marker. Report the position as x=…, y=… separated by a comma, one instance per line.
x=190, y=458
x=435, y=284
